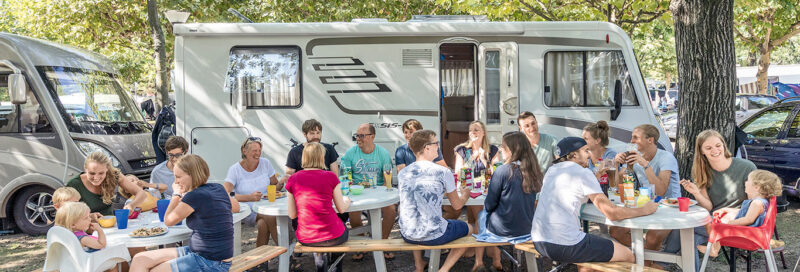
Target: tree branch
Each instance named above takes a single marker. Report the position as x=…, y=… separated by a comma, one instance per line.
x=793, y=30
x=540, y=13
x=749, y=39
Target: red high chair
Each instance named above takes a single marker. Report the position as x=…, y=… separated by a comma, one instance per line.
x=743, y=237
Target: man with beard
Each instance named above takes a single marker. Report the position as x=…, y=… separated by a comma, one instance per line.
x=312, y=130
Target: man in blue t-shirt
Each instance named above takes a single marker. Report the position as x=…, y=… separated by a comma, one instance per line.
x=367, y=159
x=312, y=130
x=650, y=166
x=403, y=156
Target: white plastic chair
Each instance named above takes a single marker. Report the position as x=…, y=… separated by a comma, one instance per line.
x=65, y=253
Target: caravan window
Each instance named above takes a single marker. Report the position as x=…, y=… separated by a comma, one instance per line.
x=586, y=79
x=265, y=76
x=24, y=118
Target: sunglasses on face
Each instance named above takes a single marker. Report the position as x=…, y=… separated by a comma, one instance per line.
x=254, y=139
x=360, y=136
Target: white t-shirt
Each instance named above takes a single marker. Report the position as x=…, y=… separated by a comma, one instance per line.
x=248, y=182
x=422, y=186
x=566, y=187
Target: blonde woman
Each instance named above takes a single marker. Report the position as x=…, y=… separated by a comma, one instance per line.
x=310, y=193
x=207, y=209
x=477, y=155
x=247, y=179
x=99, y=182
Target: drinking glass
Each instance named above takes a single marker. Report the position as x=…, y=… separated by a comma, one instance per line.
x=387, y=176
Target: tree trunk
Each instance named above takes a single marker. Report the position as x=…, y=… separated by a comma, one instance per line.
x=162, y=72
x=706, y=71
x=763, y=68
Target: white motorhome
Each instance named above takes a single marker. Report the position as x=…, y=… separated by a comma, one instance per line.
x=57, y=104
x=265, y=79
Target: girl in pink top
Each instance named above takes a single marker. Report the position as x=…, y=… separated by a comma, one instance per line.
x=310, y=192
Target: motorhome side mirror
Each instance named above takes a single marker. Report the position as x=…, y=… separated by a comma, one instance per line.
x=617, y=100
x=17, y=89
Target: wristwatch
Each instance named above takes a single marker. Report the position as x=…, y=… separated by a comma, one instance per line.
x=232, y=194
x=178, y=195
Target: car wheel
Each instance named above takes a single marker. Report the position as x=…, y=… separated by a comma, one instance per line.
x=33, y=210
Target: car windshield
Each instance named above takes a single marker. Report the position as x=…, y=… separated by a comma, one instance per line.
x=760, y=102
x=93, y=102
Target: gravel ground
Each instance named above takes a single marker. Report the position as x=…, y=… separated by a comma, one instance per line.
x=19, y=252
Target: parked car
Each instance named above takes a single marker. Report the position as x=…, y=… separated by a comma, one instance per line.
x=669, y=121
x=773, y=141
x=748, y=104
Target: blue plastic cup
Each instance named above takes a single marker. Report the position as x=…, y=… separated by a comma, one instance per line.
x=122, y=218
x=162, y=205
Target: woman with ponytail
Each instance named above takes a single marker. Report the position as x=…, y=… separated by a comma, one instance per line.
x=510, y=202
x=596, y=137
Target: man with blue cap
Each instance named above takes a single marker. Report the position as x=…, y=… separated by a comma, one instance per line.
x=567, y=185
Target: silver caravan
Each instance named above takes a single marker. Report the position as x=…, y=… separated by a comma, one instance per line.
x=265, y=79
x=57, y=104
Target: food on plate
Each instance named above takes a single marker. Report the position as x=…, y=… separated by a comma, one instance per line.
x=277, y=195
x=671, y=201
x=147, y=232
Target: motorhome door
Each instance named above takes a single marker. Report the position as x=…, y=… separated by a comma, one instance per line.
x=498, y=88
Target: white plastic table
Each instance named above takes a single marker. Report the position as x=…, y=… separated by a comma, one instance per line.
x=665, y=218
x=176, y=233
x=478, y=201
x=372, y=200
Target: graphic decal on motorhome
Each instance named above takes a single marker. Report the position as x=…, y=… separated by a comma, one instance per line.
x=354, y=65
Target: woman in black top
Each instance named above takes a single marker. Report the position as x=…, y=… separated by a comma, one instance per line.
x=511, y=200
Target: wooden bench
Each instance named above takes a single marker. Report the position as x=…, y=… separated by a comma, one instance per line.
x=400, y=245
x=255, y=257
x=618, y=266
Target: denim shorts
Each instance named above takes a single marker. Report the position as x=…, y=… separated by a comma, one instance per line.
x=190, y=261
x=455, y=229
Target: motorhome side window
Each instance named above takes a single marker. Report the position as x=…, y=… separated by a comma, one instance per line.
x=586, y=79
x=264, y=76
x=23, y=118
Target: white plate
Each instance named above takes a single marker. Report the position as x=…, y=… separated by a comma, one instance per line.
x=692, y=202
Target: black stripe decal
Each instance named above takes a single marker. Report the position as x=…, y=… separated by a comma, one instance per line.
x=384, y=112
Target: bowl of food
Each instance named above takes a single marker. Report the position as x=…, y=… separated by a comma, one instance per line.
x=107, y=221
x=356, y=189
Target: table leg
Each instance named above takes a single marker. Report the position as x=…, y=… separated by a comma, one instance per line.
x=433, y=261
x=237, y=238
x=687, y=249
x=375, y=229
x=637, y=245
x=283, y=240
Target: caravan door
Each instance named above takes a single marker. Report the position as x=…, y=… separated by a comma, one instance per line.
x=498, y=88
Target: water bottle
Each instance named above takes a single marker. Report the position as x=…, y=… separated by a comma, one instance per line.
x=345, y=184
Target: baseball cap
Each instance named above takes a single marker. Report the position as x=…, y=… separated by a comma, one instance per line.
x=569, y=145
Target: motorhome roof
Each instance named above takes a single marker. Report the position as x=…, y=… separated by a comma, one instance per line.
x=416, y=28
x=44, y=53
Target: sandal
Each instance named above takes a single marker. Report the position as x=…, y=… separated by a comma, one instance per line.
x=357, y=257
x=388, y=256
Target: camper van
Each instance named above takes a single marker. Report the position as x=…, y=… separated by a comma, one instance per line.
x=235, y=80
x=58, y=104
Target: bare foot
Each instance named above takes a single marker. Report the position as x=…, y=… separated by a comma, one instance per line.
x=701, y=248
x=714, y=250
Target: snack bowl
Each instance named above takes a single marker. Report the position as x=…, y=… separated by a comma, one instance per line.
x=356, y=189
x=107, y=221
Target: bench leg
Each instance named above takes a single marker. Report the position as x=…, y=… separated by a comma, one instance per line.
x=530, y=260
x=283, y=240
x=433, y=262
x=237, y=238
x=375, y=229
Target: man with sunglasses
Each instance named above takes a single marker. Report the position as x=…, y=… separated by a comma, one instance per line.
x=162, y=177
x=366, y=160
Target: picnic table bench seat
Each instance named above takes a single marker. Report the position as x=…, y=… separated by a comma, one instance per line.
x=400, y=245
x=255, y=257
x=618, y=266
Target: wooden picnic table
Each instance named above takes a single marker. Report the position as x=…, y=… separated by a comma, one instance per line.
x=372, y=201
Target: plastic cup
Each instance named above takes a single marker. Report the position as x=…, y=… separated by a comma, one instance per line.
x=122, y=218
x=162, y=205
x=683, y=204
x=271, y=193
